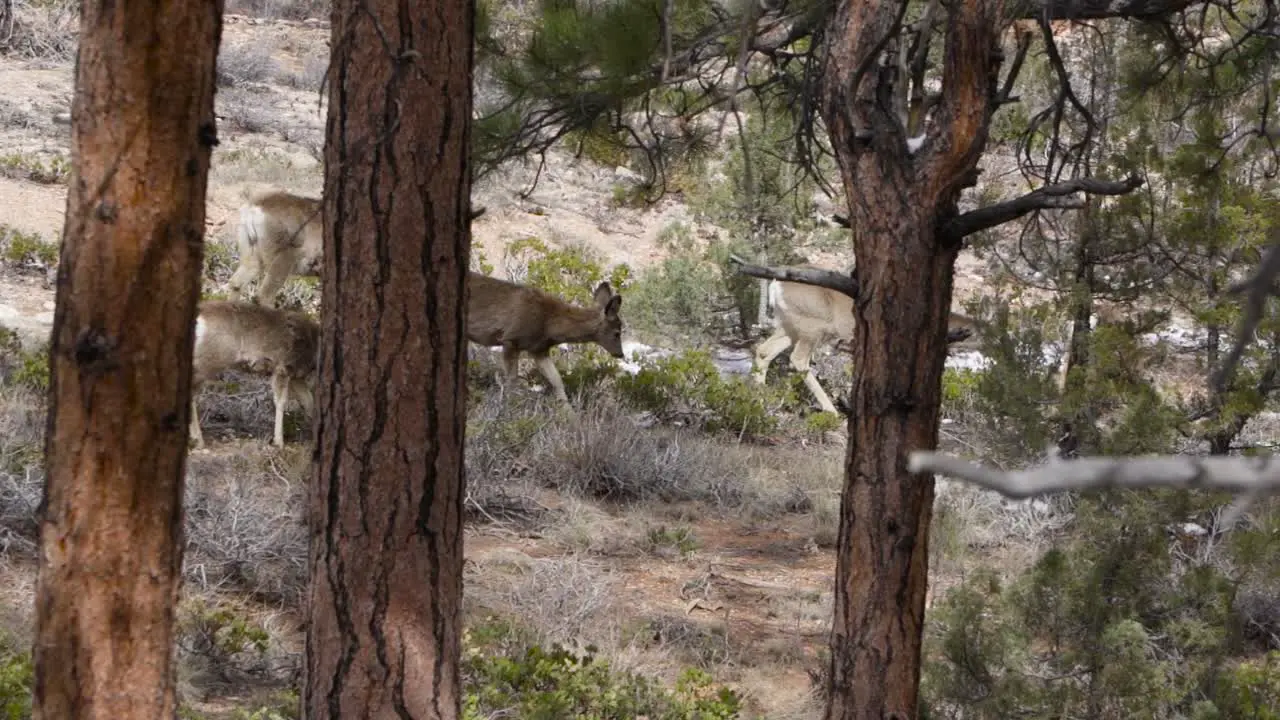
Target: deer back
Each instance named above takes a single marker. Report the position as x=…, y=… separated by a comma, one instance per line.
x=292, y=221
x=260, y=339
x=531, y=320
x=812, y=311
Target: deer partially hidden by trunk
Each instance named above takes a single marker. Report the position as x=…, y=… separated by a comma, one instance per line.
x=280, y=234
x=260, y=340
x=529, y=320
x=809, y=316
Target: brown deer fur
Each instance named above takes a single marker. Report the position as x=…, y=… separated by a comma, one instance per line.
x=280, y=234
x=525, y=319
x=261, y=340
x=810, y=316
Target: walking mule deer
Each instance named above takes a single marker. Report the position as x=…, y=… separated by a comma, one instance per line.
x=261, y=340
x=525, y=319
x=280, y=234
x=809, y=316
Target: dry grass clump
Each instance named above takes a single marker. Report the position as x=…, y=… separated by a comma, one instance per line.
x=599, y=452
x=263, y=165
x=46, y=30
x=21, y=470
x=245, y=62
x=280, y=9
x=568, y=600
x=246, y=524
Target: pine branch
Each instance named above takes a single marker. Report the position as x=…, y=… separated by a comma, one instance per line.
x=1057, y=196
x=1249, y=477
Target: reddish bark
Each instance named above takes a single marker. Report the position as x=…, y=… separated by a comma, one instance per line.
x=120, y=360
x=386, y=502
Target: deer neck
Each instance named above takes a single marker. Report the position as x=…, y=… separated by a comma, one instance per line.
x=574, y=325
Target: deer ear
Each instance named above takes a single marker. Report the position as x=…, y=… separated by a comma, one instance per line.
x=611, y=308
x=603, y=293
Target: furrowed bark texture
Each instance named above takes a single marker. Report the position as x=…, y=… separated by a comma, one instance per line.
x=898, y=203
x=386, y=502
x=120, y=359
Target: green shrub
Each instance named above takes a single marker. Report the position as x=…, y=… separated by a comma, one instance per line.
x=542, y=684
x=1251, y=689
x=24, y=249
x=17, y=677
x=688, y=385
x=28, y=166
x=571, y=273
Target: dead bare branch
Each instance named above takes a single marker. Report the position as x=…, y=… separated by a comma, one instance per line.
x=1049, y=197
x=1248, y=477
x=840, y=282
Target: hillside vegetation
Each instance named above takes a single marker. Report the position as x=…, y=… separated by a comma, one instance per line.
x=667, y=550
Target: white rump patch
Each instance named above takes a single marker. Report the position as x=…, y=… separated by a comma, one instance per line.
x=199, y=329
x=914, y=144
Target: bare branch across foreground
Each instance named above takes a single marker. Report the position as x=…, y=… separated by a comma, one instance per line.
x=1249, y=477
x=840, y=282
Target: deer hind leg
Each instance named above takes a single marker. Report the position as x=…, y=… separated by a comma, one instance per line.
x=767, y=351
x=278, y=271
x=280, y=393
x=193, y=429
x=800, y=357
x=548, y=368
x=510, y=371
x=246, y=271
x=250, y=264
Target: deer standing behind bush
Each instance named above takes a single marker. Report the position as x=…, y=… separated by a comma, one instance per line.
x=280, y=234
x=810, y=316
x=263, y=341
x=525, y=319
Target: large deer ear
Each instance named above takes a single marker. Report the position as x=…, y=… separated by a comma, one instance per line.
x=603, y=293
x=611, y=308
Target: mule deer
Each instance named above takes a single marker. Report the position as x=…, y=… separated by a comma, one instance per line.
x=525, y=319
x=809, y=316
x=280, y=234
x=263, y=341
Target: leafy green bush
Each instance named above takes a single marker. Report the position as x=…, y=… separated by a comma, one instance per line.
x=1251, y=689
x=1117, y=621
x=542, y=684
x=24, y=249
x=570, y=273
x=17, y=677
x=689, y=386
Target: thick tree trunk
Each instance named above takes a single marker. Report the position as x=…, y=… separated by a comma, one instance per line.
x=898, y=199
x=386, y=502
x=882, y=566
x=120, y=360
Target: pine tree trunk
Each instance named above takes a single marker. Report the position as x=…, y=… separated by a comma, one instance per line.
x=386, y=501
x=120, y=359
x=899, y=200
x=883, y=549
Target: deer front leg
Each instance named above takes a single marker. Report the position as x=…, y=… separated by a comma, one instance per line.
x=548, y=368
x=767, y=351
x=278, y=270
x=800, y=357
x=280, y=393
x=193, y=428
